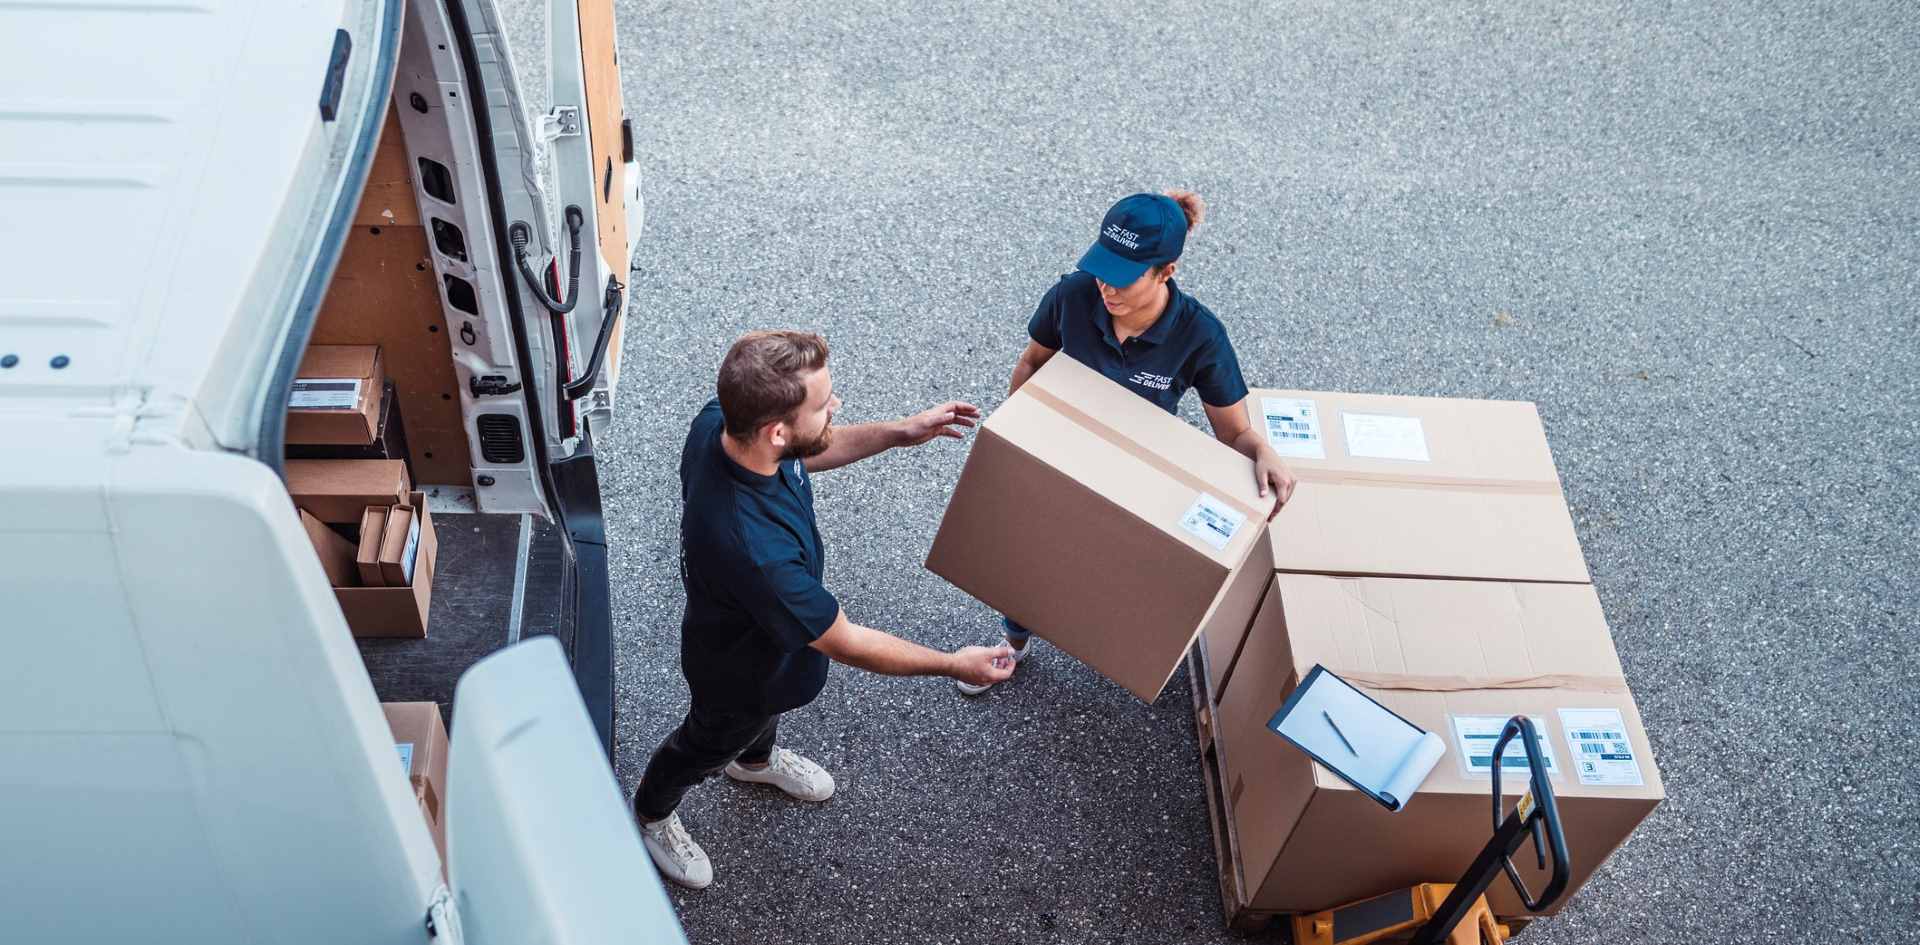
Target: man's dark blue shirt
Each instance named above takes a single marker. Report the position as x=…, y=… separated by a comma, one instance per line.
x=751, y=560
x=1186, y=347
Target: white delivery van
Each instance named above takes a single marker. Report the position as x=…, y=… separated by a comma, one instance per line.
x=203, y=205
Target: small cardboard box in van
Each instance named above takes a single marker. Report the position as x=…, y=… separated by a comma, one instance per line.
x=336, y=396
x=396, y=611
x=421, y=739
x=338, y=491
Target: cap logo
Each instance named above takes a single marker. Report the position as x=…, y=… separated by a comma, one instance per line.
x=1123, y=236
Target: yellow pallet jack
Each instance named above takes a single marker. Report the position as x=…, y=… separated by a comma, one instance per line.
x=1457, y=913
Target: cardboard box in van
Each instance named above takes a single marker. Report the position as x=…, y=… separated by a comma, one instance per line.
x=1457, y=658
x=335, y=551
x=397, y=611
x=1104, y=524
x=421, y=739
x=1411, y=487
x=366, y=558
x=338, y=491
x=336, y=396
x=399, y=546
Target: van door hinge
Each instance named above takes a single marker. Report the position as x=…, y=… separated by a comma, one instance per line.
x=443, y=920
x=563, y=121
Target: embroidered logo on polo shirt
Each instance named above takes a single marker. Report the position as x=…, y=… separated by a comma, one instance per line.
x=1151, y=381
x=1123, y=236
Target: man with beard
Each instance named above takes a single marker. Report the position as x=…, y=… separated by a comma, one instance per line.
x=760, y=627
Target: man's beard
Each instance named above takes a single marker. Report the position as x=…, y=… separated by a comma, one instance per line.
x=813, y=447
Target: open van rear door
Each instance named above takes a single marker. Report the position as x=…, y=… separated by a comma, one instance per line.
x=595, y=169
x=541, y=847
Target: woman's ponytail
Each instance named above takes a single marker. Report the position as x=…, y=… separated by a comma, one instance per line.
x=1190, y=204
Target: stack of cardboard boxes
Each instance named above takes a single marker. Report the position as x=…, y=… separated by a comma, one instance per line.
x=1427, y=556
x=375, y=540
x=347, y=475
x=370, y=529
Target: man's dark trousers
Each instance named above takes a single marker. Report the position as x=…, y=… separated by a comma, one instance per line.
x=697, y=750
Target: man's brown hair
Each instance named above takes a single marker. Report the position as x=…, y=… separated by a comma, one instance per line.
x=763, y=378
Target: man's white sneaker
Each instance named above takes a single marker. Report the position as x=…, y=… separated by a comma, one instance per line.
x=674, y=852
x=969, y=689
x=789, y=772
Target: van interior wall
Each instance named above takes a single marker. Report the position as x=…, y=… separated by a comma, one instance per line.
x=383, y=293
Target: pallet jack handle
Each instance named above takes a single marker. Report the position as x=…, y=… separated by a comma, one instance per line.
x=1536, y=816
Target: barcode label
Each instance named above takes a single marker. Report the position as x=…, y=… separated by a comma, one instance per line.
x=412, y=549
x=325, y=393
x=406, y=756
x=1477, y=734
x=1604, y=753
x=1212, y=521
x=1293, y=427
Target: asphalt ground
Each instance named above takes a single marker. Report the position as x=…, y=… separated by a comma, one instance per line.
x=1687, y=231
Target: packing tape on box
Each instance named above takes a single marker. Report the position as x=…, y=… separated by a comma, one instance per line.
x=1415, y=682
x=1139, y=452
x=1338, y=478
x=429, y=798
x=1427, y=483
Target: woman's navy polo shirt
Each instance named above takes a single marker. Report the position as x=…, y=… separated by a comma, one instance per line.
x=751, y=560
x=1186, y=347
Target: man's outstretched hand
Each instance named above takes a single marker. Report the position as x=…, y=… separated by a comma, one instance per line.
x=948, y=419
x=982, y=666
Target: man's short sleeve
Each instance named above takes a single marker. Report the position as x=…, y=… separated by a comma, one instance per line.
x=1216, y=375
x=789, y=604
x=1044, y=326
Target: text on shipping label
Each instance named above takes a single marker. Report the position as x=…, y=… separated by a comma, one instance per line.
x=1293, y=427
x=1212, y=521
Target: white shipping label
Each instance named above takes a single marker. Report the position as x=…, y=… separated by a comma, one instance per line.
x=1602, y=753
x=325, y=393
x=1293, y=427
x=406, y=756
x=1212, y=521
x=1383, y=437
x=1476, y=736
x=412, y=549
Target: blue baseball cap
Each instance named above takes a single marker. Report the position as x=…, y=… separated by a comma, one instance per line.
x=1140, y=232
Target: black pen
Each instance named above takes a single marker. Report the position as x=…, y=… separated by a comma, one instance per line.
x=1336, y=731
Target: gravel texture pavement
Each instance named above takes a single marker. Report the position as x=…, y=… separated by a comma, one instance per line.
x=1688, y=231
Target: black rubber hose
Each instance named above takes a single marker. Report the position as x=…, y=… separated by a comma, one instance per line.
x=519, y=234
x=609, y=307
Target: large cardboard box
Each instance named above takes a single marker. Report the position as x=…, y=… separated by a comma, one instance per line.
x=1418, y=487
x=1102, y=523
x=1410, y=487
x=1455, y=658
x=338, y=491
x=336, y=396
x=397, y=611
x=421, y=739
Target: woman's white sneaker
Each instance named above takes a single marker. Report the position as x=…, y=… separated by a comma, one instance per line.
x=789, y=772
x=1019, y=654
x=674, y=852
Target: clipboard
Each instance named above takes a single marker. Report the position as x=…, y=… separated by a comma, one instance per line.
x=1351, y=734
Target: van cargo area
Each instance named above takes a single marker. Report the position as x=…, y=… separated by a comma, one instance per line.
x=378, y=396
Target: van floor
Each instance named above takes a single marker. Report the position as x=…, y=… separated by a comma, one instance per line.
x=472, y=610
